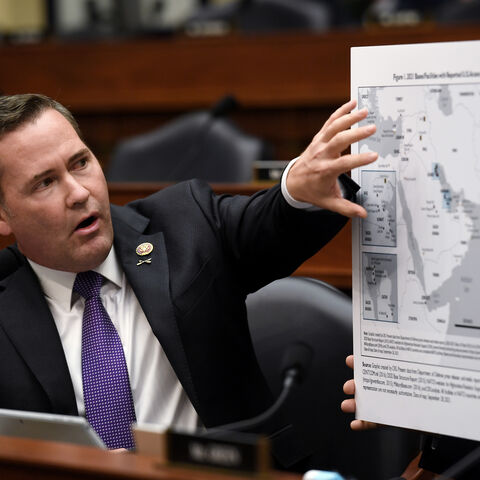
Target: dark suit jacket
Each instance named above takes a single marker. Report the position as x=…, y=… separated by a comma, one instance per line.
x=209, y=253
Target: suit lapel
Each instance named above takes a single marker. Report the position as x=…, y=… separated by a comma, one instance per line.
x=150, y=282
x=27, y=321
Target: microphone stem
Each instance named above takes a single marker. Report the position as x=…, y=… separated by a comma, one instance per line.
x=259, y=420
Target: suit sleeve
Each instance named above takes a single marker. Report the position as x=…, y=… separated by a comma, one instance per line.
x=266, y=238
x=251, y=240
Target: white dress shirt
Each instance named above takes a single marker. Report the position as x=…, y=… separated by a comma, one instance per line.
x=157, y=393
x=286, y=194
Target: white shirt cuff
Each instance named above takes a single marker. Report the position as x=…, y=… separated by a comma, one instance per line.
x=286, y=195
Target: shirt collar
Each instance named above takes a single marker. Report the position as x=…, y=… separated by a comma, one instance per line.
x=58, y=285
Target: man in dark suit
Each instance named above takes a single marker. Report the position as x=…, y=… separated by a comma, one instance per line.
x=175, y=269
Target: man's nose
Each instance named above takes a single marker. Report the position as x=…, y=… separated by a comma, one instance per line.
x=77, y=193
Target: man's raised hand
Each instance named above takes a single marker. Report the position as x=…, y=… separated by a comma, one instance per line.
x=313, y=178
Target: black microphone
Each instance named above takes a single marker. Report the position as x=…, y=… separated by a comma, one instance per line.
x=295, y=364
x=224, y=106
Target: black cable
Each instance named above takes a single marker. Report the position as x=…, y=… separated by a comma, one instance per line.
x=463, y=465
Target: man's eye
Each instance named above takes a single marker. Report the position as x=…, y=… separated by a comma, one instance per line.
x=46, y=182
x=80, y=163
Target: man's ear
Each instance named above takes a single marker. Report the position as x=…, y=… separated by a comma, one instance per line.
x=4, y=224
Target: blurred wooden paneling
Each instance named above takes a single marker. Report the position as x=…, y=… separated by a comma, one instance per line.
x=180, y=73
x=287, y=84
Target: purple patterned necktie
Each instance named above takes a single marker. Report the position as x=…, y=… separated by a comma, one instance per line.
x=106, y=386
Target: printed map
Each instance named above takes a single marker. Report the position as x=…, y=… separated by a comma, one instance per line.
x=423, y=202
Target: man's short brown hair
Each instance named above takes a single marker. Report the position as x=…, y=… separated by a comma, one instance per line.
x=17, y=110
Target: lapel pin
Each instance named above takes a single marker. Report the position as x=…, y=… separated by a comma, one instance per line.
x=141, y=262
x=144, y=249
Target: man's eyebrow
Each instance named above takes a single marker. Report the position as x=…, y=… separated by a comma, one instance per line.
x=80, y=154
x=76, y=156
x=40, y=175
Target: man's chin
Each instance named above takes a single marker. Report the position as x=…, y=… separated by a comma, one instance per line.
x=90, y=257
x=86, y=254
x=70, y=256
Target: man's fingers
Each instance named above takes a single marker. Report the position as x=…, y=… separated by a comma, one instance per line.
x=349, y=162
x=343, y=123
x=344, y=207
x=362, y=425
x=349, y=361
x=340, y=112
x=349, y=387
x=348, y=406
x=342, y=140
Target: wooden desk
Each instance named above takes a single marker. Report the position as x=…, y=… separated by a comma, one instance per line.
x=24, y=458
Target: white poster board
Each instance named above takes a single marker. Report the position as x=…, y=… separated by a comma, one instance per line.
x=416, y=258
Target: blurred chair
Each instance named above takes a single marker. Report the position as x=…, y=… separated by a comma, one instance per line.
x=202, y=145
x=267, y=15
x=458, y=12
x=304, y=310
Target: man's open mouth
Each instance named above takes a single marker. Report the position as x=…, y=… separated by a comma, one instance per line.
x=87, y=222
